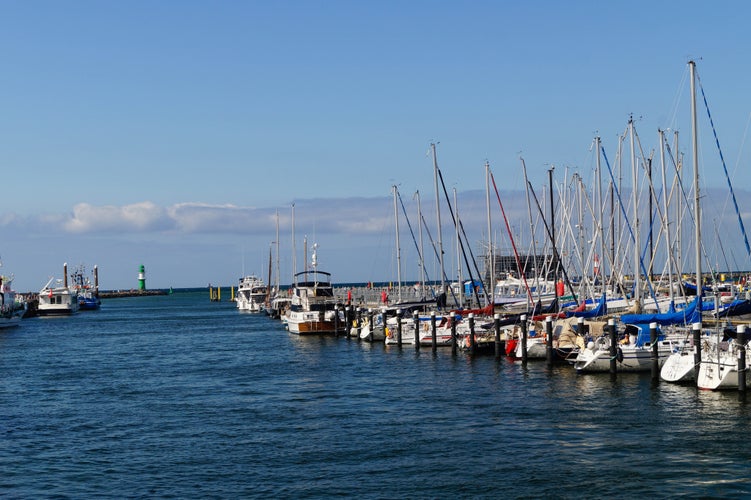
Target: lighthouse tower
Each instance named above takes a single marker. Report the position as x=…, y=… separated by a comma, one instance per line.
x=142, y=278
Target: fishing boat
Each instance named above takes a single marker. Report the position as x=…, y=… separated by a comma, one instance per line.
x=313, y=308
x=88, y=293
x=251, y=293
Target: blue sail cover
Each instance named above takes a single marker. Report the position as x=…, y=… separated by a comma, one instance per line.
x=735, y=308
x=600, y=310
x=690, y=314
x=644, y=335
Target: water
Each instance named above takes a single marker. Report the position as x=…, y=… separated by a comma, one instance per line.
x=178, y=397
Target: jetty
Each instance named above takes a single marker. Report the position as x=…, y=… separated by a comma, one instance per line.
x=116, y=294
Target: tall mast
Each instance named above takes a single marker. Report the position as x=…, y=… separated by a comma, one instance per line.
x=438, y=216
x=294, y=248
x=697, y=213
x=276, y=280
x=601, y=209
x=522, y=272
x=635, y=194
x=679, y=205
x=458, y=255
x=552, y=230
x=490, y=292
x=665, y=222
x=398, y=251
x=422, y=252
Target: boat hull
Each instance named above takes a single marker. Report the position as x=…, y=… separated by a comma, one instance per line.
x=629, y=358
x=679, y=367
x=314, y=322
x=719, y=370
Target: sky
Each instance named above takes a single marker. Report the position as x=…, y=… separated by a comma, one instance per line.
x=171, y=133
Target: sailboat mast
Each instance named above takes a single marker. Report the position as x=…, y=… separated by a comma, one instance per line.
x=665, y=222
x=552, y=230
x=458, y=258
x=422, y=252
x=534, y=239
x=438, y=216
x=398, y=250
x=490, y=292
x=294, y=248
x=679, y=205
x=276, y=278
x=635, y=194
x=695, y=150
x=601, y=209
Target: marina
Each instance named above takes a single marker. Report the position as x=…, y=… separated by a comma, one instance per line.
x=307, y=250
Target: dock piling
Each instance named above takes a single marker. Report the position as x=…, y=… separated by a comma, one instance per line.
x=549, y=341
x=416, y=317
x=472, y=342
x=359, y=323
x=452, y=318
x=433, y=338
x=654, y=344
x=613, y=346
x=524, y=338
x=497, y=327
x=399, y=327
x=370, y=325
x=741, y=329
x=696, y=329
x=348, y=317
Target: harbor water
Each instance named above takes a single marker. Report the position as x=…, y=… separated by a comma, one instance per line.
x=178, y=397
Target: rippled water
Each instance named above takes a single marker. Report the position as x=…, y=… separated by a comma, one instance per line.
x=176, y=396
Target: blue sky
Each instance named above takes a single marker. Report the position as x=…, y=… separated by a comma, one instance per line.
x=169, y=133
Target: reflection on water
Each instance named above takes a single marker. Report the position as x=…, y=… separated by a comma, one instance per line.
x=177, y=396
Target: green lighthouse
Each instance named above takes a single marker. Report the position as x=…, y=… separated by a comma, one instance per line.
x=142, y=278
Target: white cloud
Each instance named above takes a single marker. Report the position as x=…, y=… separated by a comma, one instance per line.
x=143, y=216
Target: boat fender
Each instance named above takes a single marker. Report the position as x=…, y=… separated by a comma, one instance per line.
x=425, y=326
x=619, y=355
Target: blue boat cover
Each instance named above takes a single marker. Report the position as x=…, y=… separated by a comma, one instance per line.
x=600, y=310
x=690, y=314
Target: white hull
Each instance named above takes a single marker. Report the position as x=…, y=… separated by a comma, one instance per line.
x=377, y=330
x=630, y=358
x=253, y=305
x=719, y=368
x=536, y=348
x=679, y=367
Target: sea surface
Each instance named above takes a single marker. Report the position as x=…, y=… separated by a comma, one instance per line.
x=179, y=397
